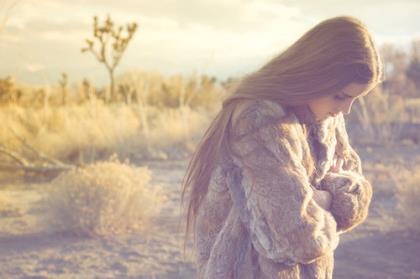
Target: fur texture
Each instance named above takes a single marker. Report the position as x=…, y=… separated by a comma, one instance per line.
x=258, y=218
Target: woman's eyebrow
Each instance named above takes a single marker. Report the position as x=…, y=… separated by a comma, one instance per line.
x=348, y=96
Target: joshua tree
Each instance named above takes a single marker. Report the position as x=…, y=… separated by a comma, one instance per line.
x=108, y=46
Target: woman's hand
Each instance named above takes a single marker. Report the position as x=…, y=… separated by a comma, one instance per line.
x=323, y=198
x=337, y=165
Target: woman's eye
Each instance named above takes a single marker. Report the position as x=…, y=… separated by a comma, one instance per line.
x=340, y=98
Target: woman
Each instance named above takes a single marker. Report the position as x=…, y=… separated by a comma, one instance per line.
x=274, y=181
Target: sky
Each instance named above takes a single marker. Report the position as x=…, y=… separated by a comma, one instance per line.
x=40, y=39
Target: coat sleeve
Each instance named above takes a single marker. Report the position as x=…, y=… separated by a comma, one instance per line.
x=285, y=223
x=351, y=191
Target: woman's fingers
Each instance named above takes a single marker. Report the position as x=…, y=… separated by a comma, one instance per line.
x=337, y=165
x=340, y=163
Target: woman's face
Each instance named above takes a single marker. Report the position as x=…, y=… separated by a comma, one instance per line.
x=328, y=106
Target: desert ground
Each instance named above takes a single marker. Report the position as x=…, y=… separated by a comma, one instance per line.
x=379, y=248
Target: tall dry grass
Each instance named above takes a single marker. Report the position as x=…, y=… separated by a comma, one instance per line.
x=397, y=186
x=407, y=215
x=162, y=116
x=165, y=119
x=93, y=131
x=381, y=118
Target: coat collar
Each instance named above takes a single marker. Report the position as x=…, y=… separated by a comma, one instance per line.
x=304, y=114
x=321, y=138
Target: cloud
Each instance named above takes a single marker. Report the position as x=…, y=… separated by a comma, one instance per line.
x=223, y=37
x=34, y=67
x=381, y=16
x=238, y=15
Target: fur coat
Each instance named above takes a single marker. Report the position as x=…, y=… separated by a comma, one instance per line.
x=259, y=219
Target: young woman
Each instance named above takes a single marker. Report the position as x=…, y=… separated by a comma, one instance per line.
x=274, y=181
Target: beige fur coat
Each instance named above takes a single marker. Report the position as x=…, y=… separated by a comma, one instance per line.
x=259, y=219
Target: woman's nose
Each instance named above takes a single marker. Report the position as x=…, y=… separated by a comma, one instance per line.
x=347, y=107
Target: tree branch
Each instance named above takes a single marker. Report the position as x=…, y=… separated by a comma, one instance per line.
x=21, y=161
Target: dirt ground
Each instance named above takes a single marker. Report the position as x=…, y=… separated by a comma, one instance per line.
x=372, y=250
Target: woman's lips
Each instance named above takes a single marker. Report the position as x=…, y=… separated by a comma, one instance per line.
x=333, y=114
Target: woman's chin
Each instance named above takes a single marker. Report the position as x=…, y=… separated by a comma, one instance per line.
x=323, y=117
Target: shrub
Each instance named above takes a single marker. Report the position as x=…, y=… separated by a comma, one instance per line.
x=8, y=208
x=104, y=198
x=408, y=199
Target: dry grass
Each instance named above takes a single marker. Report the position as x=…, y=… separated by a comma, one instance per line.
x=398, y=188
x=93, y=131
x=174, y=91
x=8, y=207
x=166, y=112
x=104, y=198
x=381, y=118
x=408, y=199
x=161, y=113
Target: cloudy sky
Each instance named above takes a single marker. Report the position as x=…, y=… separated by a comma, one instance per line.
x=39, y=39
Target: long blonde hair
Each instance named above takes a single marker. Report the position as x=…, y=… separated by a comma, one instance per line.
x=334, y=53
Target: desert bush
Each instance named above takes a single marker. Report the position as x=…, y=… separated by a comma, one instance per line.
x=407, y=215
x=381, y=118
x=8, y=207
x=413, y=109
x=174, y=91
x=104, y=198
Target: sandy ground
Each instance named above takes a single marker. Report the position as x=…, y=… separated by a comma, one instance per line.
x=27, y=250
